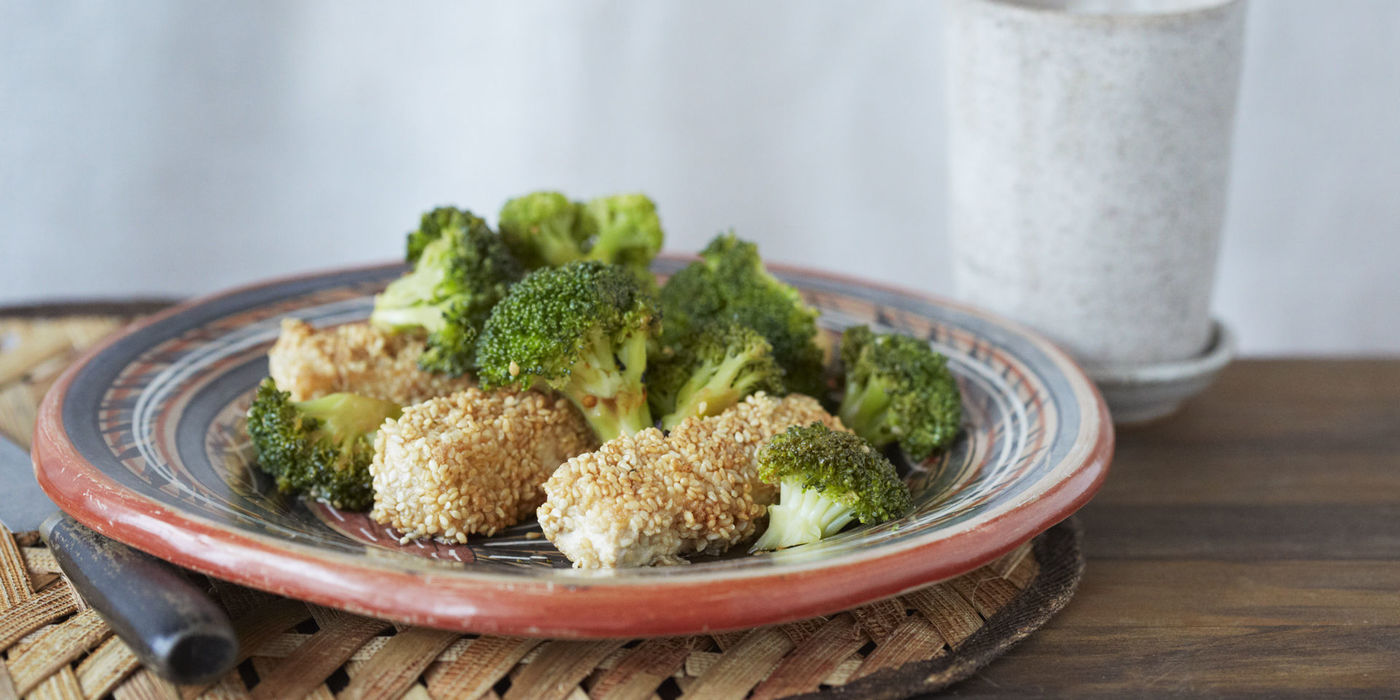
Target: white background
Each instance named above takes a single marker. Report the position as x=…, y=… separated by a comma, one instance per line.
x=178, y=148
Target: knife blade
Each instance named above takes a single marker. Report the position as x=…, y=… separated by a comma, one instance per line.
x=169, y=624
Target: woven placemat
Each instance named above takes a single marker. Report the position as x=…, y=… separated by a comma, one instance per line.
x=53, y=646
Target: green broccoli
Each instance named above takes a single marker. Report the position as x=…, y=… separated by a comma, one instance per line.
x=729, y=283
x=545, y=229
x=898, y=389
x=827, y=478
x=460, y=270
x=625, y=230
x=322, y=447
x=582, y=329
x=713, y=370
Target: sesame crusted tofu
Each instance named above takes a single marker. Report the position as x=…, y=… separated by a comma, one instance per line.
x=471, y=462
x=638, y=501
x=747, y=426
x=649, y=499
x=356, y=358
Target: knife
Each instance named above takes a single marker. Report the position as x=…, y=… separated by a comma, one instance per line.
x=169, y=624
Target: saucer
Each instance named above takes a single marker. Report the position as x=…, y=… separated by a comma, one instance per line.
x=1141, y=393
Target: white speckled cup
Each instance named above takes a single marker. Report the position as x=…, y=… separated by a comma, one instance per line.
x=1089, y=156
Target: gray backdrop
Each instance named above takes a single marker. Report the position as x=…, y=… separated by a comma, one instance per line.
x=177, y=148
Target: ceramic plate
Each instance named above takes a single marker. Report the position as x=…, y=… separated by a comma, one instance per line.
x=144, y=441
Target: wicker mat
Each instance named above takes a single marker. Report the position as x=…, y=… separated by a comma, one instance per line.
x=53, y=646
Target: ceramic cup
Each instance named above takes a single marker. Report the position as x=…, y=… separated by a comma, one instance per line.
x=1089, y=151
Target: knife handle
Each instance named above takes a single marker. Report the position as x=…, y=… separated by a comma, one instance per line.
x=171, y=626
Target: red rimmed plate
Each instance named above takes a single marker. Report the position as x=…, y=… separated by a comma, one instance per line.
x=143, y=441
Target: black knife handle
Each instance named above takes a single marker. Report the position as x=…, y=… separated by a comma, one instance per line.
x=171, y=626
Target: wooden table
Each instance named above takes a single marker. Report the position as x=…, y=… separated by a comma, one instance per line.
x=1250, y=544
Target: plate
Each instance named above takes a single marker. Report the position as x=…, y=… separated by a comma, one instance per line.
x=143, y=440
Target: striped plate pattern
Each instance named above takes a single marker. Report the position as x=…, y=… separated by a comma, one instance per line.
x=144, y=441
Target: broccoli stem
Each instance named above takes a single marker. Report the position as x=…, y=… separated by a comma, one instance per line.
x=802, y=516
x=608, y=389
x=401, y=304
x=864, y=408
x=711, y=390
x=401, y=319
x=553, y=241
x=557, y=250
x=345, y=418
x=606, y=250
x=610, y=418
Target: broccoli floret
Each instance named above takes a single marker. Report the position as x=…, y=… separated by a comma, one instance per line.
x=460, y=270
x=545, y=229
x=625, y=228
x=322, y=447
x=898, y=389
x=827, y=478
x=716, y=368
x=582, y=329
x=729, y=284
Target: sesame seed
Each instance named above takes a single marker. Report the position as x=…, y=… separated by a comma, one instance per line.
x=309, y=363
x=471, y=462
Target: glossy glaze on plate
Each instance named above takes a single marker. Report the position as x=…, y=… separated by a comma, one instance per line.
x=144, y=441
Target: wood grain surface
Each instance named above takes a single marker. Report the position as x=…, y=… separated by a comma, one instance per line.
x=1248, y=545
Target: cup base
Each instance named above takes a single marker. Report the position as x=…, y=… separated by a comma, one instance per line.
x=1138, y=394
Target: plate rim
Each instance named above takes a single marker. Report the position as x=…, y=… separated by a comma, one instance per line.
x=493, y=604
